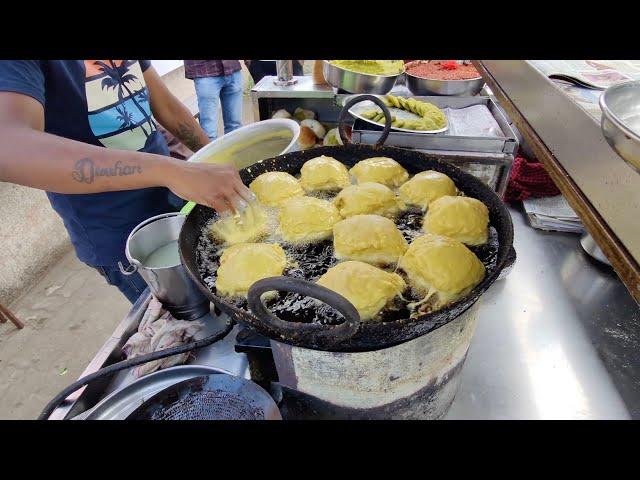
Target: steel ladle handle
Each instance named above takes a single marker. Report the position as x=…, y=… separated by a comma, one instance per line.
x=313, y=332
x=358, y=99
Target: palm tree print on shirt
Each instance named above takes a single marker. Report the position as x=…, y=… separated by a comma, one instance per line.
x=126, y=118
x=118, y=76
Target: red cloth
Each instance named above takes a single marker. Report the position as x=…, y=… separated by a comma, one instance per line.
x=529, y=179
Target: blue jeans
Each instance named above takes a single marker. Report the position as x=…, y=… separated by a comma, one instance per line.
x=131, y=286
x=226, y=89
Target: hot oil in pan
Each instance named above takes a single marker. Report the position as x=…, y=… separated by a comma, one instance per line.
x=310, y=262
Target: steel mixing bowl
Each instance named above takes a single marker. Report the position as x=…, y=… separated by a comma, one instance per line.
x=354, y=82
x=454, y=88
x=620, y=105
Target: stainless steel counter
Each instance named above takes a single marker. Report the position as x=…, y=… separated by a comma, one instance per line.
x=559, y=338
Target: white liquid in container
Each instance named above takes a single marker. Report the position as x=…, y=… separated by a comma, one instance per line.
x=164, y=256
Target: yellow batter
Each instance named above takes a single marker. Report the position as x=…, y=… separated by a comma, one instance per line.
x=307, y=219
x=368, y=238
x=243, y=264
x=425, y=187
x=368, y=197
x=382, y=170
x=368, y=288
x=440, y=265
x=461, y=218
x=274, y=188
x=323, y=174
x=247, y=226
x=371, y=67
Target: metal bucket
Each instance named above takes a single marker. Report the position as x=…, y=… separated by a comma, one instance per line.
x=171, y=285
x=417, y=379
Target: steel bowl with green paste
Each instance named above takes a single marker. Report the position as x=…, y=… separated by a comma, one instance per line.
x=363, y=76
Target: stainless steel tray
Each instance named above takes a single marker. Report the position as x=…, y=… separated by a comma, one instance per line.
x=364, y=132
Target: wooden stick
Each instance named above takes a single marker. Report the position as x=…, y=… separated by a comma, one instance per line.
x=7, y=313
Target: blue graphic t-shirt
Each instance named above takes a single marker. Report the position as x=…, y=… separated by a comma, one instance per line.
x=104, y=103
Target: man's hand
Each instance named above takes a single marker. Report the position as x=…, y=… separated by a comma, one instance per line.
x=216, y=186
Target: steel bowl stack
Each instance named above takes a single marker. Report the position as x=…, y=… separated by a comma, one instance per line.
x=355, y=82
x=457, y=88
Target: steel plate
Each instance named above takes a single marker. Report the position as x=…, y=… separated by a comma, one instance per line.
x=358, y=109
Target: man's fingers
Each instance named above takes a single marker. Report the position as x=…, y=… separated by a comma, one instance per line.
x=246, y=194
x=219, y=205
x=237, y=202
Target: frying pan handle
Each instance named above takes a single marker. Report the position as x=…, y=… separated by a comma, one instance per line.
x=327, y=333
x=358, y=99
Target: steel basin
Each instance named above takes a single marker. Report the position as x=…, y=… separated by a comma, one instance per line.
x=620, y=122
x=454, y=88
x=354, y=82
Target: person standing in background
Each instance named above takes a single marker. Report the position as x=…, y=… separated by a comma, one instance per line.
x=261, y=68
x=217, y=81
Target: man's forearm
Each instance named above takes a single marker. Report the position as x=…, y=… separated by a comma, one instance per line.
x=176, y=117
x=36, y=159
x=189, y=132
x=172, y=114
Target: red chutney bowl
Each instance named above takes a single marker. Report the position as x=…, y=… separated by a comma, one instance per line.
x=448, y=78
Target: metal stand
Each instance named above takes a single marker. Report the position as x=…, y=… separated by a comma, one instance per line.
x=284, y=69
x=589, y=245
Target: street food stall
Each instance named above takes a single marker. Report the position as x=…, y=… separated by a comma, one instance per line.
x=543, y=332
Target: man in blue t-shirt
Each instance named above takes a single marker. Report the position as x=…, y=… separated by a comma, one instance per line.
x=86, y=132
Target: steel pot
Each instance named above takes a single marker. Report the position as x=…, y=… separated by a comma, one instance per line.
x=171, y=285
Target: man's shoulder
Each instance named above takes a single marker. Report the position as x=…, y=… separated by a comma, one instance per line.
x=25, y=77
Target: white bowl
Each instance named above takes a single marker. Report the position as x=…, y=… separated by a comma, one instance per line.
x=248, y=132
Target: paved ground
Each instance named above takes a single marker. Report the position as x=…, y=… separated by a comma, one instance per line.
x=69, y=314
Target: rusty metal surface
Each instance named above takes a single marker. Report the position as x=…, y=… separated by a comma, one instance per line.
x=417, y=379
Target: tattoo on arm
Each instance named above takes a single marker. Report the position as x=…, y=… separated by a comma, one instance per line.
x=188, y=136
x=85, y=171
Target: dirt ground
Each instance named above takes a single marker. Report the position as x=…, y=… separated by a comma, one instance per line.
x=69, y=314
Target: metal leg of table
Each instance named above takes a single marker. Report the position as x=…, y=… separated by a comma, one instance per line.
x=590, y=246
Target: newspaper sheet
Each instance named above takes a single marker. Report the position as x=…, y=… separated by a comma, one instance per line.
x=552, y=213
x=590, y=73
x=580, y=92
